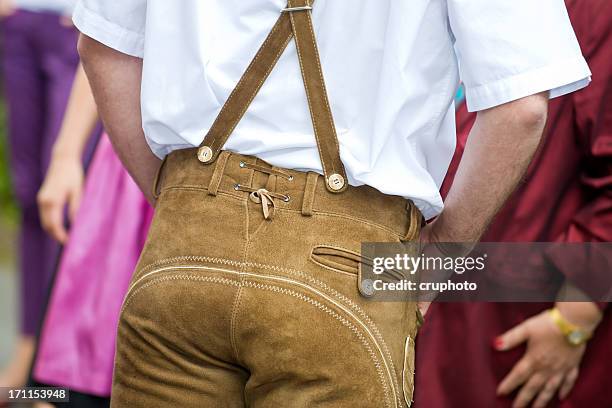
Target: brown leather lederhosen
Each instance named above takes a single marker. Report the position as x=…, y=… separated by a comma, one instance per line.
x=247, y=291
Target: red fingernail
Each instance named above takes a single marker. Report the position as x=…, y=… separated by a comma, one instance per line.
x=498, y=343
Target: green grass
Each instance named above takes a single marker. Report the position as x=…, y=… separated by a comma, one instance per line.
x=9, y=213
x=8, y=209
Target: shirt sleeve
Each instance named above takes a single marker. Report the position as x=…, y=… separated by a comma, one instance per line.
x=510, y=49
x=116, y=24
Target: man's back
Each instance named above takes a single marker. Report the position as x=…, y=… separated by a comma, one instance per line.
x=390, y=69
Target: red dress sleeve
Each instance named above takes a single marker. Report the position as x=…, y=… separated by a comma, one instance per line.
x=593, y=127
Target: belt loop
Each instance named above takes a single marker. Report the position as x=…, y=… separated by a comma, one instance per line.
x=215, y=180
x=414, y=221
x=309, y=193
x=156, y=181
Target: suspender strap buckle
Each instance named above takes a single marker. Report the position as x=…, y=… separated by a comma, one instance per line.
x=300, y=8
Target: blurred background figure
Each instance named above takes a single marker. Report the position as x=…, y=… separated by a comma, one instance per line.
x=110, y=220
x=512, y=354
x=39, y=59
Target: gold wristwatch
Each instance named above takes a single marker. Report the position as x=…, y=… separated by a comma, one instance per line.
x=574, y=335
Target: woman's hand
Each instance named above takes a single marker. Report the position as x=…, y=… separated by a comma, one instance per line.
x=550, y=364
x=63, y=186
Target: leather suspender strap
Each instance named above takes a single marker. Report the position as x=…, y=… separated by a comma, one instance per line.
x=322, y=119
x=294, y=21
x=246, y=89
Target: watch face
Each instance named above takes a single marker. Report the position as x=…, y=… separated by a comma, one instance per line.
x=576, y=337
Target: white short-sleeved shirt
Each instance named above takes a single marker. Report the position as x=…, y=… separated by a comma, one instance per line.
x=392, y=68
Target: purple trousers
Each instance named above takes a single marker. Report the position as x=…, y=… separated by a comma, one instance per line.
x=39, y=60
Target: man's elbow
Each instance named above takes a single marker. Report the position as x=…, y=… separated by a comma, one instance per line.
x=531, y=112
x=85, y=47
x=526, y=115
x=91, y=50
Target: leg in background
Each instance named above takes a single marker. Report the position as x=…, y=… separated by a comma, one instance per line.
x=24, y=96
x=37, y=80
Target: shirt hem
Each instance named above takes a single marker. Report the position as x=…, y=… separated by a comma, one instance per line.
x=559, y=78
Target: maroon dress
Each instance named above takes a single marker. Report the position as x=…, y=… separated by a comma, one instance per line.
x=567, y=197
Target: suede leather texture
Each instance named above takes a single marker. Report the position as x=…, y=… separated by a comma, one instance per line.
x=229, y=309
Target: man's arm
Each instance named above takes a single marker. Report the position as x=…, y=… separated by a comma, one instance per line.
x=501, y=145
x=115, y=80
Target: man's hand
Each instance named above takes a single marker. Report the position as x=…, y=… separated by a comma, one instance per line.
x=550, y=364
x=428, y=239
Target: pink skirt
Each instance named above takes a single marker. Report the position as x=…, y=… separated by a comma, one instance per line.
x=77, y=342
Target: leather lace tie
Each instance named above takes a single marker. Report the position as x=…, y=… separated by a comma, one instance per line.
x=261, y=195
x=264, y=197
